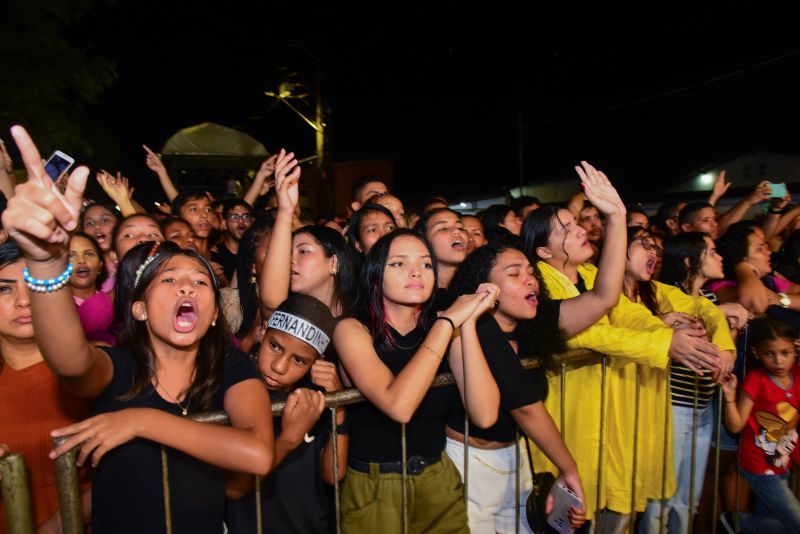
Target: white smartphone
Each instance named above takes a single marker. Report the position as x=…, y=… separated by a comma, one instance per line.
x=563, y=499
x=58, y=164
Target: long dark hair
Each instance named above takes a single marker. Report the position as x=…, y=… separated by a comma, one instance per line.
x=536, y=231
x=767, y=329
x=333, y=244
x=102, y=274
x=9, y=253
x=493, y=217
x=354, y=227
x=686, y=247
x=245, y=259
x=134, y=335
x=645, y=289
x=534, y=341
x=734, y=245
x=369, y=307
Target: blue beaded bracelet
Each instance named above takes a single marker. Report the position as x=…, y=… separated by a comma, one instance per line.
x=47, y=286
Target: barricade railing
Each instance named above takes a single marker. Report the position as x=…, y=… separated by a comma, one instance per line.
x=69, y=492
x=16, y=495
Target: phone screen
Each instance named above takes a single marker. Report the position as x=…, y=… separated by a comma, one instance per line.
x=778, y=190
x=57, y=165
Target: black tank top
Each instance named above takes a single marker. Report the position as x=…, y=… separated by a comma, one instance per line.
x=374, y=437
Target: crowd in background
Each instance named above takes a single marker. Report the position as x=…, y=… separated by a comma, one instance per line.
x=120, y=323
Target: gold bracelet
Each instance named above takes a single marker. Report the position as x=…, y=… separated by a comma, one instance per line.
x=426, y=347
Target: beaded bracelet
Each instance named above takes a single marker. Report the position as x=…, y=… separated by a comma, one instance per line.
x=47, y=286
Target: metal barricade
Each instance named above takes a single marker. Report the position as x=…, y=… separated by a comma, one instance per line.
x=16, y=494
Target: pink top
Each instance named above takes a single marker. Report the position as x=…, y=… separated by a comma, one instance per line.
x=715, y=285
x=97, y=314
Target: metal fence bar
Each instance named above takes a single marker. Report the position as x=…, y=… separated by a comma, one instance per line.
x=336, y=495
x=404, y=477
x=16, y=494
x=718, y=423
x=165, y=485
x=466, y=457
x=693, y=464
x=257, y=482
x=662, y=520
x=563, y=398
x=632, y=522
x=69, y=491
x=517, y=480
x=602, y=432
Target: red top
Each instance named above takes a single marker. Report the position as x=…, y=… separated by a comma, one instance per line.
x=770, y=434
x=32, y=403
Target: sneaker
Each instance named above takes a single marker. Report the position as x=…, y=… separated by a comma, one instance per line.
x=728, y=520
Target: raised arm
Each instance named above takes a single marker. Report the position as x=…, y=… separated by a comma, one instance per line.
x=118, y=190
x=581, y=312
x=737, y=213
x=153, y=162
x=39, y=218
x=398, y=396
x=476, y=385
x=6, y=172
x=737, y=411
x=276, y=274
x=259, y=186
x=720, y=187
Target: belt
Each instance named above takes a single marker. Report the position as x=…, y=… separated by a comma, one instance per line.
x=415, y=465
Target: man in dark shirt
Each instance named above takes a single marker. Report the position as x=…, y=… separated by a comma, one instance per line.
x=237, y=216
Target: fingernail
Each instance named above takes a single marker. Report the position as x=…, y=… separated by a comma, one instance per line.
x=52, y=455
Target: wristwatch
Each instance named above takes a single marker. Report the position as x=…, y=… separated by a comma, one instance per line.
x=784, y=300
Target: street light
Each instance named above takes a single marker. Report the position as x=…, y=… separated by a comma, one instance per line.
x=289, y=90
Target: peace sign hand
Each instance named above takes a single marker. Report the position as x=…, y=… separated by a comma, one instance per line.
x=39, y=217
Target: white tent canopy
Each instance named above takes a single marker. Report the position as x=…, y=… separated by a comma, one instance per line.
x=210, y=139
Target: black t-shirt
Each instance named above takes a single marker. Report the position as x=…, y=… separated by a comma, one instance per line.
x=294, y=498
x=127, y=494
x=518, y=387
x=374, y=437
x=226, y=258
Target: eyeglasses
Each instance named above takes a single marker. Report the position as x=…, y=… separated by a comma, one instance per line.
x=649, y=244
x=244, y=217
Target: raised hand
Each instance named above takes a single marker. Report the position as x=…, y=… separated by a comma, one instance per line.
x=99, y=434
x=729, y=383
x=760, y=193
x=599, y=191
x=266, y=170
x=8, y=163
x=489, y=293
x=39, y=217
x=153, y=160
x=117, y=188
x=287, y=180
x=325, y=375
x=720, y=187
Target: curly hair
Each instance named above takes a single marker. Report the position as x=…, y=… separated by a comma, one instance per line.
x=535, y=341
x=734, y=245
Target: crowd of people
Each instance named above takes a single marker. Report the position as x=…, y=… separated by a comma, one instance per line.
x=117, y=325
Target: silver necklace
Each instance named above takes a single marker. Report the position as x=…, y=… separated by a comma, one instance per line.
x=788, y=389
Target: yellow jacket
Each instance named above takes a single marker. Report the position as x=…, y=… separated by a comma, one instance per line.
x=655, y=411
x=637, y=337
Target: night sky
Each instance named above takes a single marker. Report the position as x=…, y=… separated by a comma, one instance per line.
x=442, y=90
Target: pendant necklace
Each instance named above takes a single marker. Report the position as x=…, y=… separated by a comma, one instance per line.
x=184, y=409
x=788, y=389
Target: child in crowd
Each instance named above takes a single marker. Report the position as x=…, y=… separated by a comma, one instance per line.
x=297, y=496
x=173, y=358
x=766, y=413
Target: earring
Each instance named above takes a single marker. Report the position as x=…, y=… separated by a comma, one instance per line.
x=214, y=322
x=143, y=317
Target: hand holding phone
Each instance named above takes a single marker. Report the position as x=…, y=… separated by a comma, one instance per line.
x=563, y=499
x=58, y=164
x=777, y=190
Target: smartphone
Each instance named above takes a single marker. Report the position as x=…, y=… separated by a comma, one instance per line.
x=58, y=164
x=563, y=499
x=778, y=190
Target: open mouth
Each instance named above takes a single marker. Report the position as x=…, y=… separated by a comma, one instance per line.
x=458, y=245
x=100, y=237
x=82, y=272
x=185, y=317
x=531, y=298
x=651, y=265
